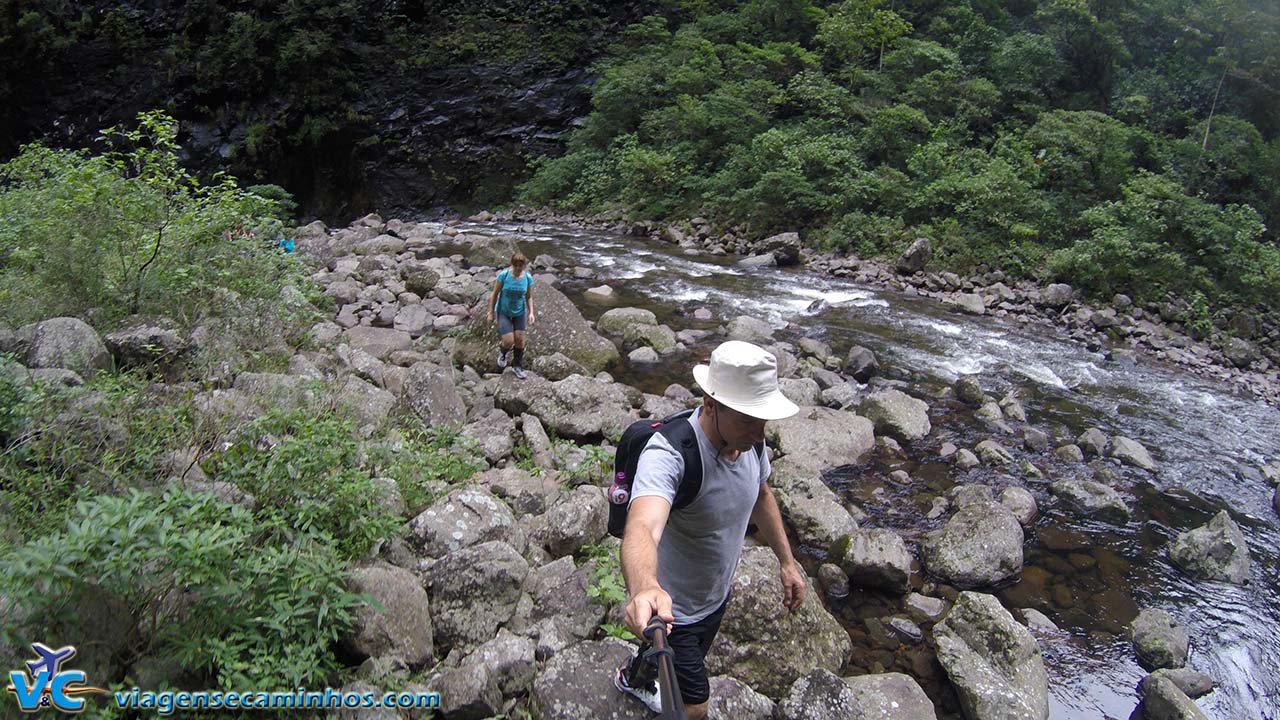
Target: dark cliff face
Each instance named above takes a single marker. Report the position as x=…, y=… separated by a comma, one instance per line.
x=354, y=127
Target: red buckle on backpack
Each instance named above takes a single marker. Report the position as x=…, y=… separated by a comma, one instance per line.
x=657, y=424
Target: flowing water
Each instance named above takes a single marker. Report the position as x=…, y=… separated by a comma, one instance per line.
x=1089, y=578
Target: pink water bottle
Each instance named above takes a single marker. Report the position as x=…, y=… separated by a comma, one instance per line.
x=620, y=489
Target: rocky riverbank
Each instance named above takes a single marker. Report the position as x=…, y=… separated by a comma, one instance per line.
x=493, y=590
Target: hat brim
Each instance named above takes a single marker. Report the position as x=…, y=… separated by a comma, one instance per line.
x=774, y=406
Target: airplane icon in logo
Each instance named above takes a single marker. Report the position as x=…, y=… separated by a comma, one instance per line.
x=50, y=659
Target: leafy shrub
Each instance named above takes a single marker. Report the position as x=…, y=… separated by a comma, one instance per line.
x=303, y=468
x=425, y=460
x=202, y=581
x=130, y=231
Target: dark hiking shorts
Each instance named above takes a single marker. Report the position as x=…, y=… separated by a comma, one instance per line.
x=508, y=324
x=689, y=647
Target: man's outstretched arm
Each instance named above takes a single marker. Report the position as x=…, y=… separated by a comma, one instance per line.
x=768, y=521
x=645, y=521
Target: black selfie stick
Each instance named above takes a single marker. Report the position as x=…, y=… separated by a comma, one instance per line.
x=668, y=688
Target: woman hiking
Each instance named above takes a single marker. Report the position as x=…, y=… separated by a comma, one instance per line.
x=512, y=303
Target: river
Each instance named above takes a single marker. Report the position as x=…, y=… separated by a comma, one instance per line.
x=1089, y=578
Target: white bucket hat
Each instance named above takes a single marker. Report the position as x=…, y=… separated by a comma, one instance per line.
x=745, y=378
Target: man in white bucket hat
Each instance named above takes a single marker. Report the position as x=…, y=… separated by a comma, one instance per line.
x=679, y=565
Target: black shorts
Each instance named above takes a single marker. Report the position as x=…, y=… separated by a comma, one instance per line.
x=689, y=646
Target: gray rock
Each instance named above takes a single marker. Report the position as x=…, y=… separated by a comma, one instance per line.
x=146, y=346
x=732, y=699
x=757, y=261
x=891, y=696
x=1271, y=472
x=916, y=257
x=402, y=628
x=818, y=695
x=861, y=364
x=834, y=581
x=468, y=693
x=494, y=433
x=421, y=281
x=1021, y=503
x=643, y=356
x=877, y=558
x=1194, y=684
x=1034, y=440
x=1158, y=640
x=508, y=658
x=1092, y=499
x=578, y=520
x=1163, y=700
x=765, y=645
x=561, y=611
x=69, y=343
x=970, y=303
x=749, y=329
x=366, y=405
x=1012, y=408
x=490, y=251
x=1131, y=452
x=895, y=413
x=413, y=319
x=993, y=662
x=801, y=391
x=980, y=546
x=1070, y=453
x=969, y=391
x=966, y=460
x=378, y=342
x=600, y=292
x=556, y=366
x=465, y=517
x=431, y=391
x=474, y=591
x=1038, y=621
x=1240, y=352
x=993, y=453
x=1057, y=295
x=524, y=493
x=578, y=683
x=579, y=408
x=813, y=511
x=926, y=609
x=784, y=247
x=464, y=290
x=616, y=321
x=819, y=439
x=1214, y=551
x=1093, y=442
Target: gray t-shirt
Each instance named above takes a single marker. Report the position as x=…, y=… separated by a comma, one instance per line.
x=701, y=543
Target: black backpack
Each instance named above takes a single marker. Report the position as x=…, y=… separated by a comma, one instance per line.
x=679, y=433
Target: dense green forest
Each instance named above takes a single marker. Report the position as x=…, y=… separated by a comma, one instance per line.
x=1126, y=146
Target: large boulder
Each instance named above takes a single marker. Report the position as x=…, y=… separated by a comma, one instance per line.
x=616, y=321
x=431, y=391
x=147, y=345
x=558, y=600
x=402, y=627
x=785, y=248
x=69, y=343
x=1091, y=499
x=916, y=257
x=896, y=413
x=1158, y=640
x=765, y=645
x=1057, y=295
x=876, y=558
x=508, y=658
x=378, y=342
x=1162, y=699
x=749, y=329
x=659, y=337
x=494, y=433
x=732, y=698
x=1214, y=551
x=819, y=439
x=980, y=546
x=465, y=517
x=822, y=695
x=559, y=327
x=993, y=662
x=489, y=251
x=577, y=683
x=524, y=492
x=818, y=518
x=366, y=404
x=579, y=519
x=474, y=591
x=579, y=408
